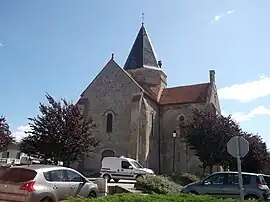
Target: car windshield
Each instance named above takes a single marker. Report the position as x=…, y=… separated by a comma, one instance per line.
x=18, y=175
x=136, y=164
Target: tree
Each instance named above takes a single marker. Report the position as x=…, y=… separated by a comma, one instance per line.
x=5, y=134
x=60, y=133
x=207, y=134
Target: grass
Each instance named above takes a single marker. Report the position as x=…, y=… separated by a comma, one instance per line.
x=154, y=198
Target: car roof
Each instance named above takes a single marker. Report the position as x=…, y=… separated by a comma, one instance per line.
x=119, y=158
x=243, y=173
x=40, y=167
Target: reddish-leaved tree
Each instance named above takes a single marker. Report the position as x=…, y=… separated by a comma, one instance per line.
x=207, y=134
x=59, y=133
x=257, y=157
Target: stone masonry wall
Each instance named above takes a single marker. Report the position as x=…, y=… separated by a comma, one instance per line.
x=149, y=76
x=185, y=159
x=150, y=136
x=110, y=92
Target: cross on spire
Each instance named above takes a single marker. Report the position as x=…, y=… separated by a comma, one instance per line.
x=142, y=18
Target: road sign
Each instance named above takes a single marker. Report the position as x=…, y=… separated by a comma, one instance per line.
x=238, y=144
x=238, y=147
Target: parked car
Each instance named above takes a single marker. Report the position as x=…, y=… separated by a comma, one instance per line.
x=44, y=183
x=118, y=168
x=225, y=184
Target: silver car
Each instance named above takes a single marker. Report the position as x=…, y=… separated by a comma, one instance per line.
x=225, y=184
x=43, y=183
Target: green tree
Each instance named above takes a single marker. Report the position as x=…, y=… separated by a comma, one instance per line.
x=59, y=133
x=5, y=134
x=207, y=134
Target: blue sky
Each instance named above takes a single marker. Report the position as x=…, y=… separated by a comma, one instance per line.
x=59, y=47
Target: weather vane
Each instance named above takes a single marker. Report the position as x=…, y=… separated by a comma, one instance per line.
x=142, y=17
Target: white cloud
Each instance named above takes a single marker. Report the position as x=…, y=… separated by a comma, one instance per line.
x=247, y=91
x=20, y=132
x=258, y=111
x=222, y=15
x=217, y=17
x=1, y=45
x=230, y=12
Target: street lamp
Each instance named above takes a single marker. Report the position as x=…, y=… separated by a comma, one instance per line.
x=174, y=134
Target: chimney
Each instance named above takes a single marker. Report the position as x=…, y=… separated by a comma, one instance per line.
x=212, y=76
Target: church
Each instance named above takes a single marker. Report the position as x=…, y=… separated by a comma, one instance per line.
x=138, y=116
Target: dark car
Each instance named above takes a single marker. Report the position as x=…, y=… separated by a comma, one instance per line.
x=225, y=184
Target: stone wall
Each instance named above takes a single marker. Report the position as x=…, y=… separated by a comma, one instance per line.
x=154, y=76
x=185, y=159
x=110, y=92
x=151, y=134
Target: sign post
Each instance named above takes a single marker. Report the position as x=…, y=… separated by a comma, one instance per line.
x=238, y=147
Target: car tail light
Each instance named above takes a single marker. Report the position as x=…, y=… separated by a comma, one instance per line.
x=29, y=186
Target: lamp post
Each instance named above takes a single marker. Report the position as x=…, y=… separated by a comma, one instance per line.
x=174, y=134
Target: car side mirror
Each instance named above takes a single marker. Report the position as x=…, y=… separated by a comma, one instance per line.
x=130, y=167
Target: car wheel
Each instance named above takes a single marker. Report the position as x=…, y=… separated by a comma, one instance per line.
x=47, y=199
x=107, y=177
x=116, y=180
x=92, y=194
x=251, y=198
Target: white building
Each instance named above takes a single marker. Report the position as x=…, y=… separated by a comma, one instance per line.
x=12, y=155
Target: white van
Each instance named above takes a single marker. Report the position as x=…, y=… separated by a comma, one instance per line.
x=121, y=168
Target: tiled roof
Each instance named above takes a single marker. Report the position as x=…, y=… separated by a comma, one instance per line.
x=142, y=53
x=185, y=94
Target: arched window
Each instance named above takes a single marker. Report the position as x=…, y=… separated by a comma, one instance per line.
x=181, y=118
x=107, y=153
x=109, y=122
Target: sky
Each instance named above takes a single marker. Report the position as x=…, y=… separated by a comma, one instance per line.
x=58, y=47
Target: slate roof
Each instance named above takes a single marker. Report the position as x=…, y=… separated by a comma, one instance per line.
x=142, y=53
x=185, y=94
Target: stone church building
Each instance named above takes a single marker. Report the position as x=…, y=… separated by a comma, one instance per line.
x=136, y=113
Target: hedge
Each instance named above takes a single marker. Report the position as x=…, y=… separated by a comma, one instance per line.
x=185, y=178
x=154, y=198
x=158, y=185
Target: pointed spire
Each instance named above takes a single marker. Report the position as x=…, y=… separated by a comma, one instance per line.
x=142, y=53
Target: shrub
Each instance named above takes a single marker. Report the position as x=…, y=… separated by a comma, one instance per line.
x=154, y=198
x=185, y=179
x=158, y=185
